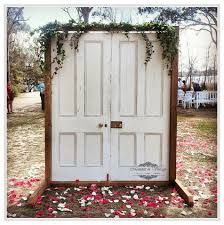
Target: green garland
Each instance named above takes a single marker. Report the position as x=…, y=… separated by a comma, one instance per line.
x=166, y=35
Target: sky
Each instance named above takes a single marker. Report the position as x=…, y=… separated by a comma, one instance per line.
x=192, y=43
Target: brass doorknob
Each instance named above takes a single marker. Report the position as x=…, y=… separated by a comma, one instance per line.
x=100, y=125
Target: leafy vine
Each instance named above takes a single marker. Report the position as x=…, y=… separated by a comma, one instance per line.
x=149, y=48
x=166, y=34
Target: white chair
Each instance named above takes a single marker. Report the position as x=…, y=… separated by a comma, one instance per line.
x=188, y=99
x=180, y=97
x=201, y=97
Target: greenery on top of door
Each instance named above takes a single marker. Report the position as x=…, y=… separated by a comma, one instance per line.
x=166, y=34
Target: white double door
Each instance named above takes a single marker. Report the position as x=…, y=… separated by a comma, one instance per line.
x=107, y=81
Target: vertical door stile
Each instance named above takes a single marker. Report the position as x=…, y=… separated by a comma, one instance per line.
x=140, y=97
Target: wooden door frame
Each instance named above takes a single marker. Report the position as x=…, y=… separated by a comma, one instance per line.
x=172, y=136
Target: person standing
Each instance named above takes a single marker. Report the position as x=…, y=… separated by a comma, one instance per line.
x=41, y=88
x=10, y=97
x=184, y=87
x=180, y=84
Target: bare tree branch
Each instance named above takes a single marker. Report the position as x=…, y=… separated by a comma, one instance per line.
x=66, y=9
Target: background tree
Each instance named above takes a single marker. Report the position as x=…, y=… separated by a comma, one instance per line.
x=191, y=67
x=205, y=17
x=207, y=62
x=22, y=49
x=15, y=22
x=23, y=62
x=82, y=13
x=107, y=14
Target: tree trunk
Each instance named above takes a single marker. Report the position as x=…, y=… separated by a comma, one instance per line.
x=86, y=17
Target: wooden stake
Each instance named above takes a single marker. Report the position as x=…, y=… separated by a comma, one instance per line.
x=39, y=191
x=184, y=193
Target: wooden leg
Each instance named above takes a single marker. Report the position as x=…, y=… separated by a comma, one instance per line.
x=39, y=191
x=184, y=193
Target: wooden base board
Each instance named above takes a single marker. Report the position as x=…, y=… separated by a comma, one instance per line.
x=184, y=193
x=38, y=192
x=107, y=183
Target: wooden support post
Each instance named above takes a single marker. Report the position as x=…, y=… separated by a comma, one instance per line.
x=184, y=193
x=38, y=192
x=173, y=117
x=48, y=122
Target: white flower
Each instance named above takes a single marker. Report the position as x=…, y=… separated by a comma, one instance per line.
x=105, y=188
x=126, y=196
x=132, y=210
x=116, y=200
x=61, y=205
x=93, y=193
x=135, y=197
x=64, y=210
x=133, y=213
x=132, y=191
x=107, y=214
x=128, y=206
x=111, y=210
x=147, y=188
x=77, y=189
x=61, y=197
x=160, y=198
x=139, y=187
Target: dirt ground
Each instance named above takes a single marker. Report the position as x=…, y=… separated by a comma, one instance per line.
x=25, y=146
x=196, y=169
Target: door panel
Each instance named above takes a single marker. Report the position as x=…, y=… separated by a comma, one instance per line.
x=142, y=106
x=107, y=80
x=93, y=78
x=127, y=77
x=81, y=101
